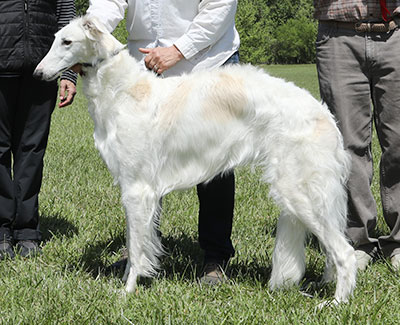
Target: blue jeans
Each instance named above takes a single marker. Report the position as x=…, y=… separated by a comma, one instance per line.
x=234, y=59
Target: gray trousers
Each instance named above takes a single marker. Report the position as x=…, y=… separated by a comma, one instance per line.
x=359, y=78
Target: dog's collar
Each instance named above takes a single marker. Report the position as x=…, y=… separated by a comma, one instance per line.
x=91, y=65
x=88, y=65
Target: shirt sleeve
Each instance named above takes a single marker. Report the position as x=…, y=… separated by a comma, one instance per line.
x=210, y=24
x=109, y=12
x=65, y=12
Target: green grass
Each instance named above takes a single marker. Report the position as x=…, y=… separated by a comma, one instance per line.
x=83, y=228
x=304, y=75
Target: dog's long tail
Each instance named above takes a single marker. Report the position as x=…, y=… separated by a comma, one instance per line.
x=340, y=255
x=336, y=167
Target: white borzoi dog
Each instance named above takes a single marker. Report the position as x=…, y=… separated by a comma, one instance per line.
x=157, y=135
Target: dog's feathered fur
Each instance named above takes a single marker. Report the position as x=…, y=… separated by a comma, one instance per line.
x=157, y=135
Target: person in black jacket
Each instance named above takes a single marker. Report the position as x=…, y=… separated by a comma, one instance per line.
x=26, y=33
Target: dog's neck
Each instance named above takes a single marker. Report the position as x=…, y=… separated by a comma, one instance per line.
x=99, y=61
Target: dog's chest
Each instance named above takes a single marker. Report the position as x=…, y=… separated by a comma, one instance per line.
x=105, y=138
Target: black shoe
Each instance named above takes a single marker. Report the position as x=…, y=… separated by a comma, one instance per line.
x=28, y=248
x=6, y=250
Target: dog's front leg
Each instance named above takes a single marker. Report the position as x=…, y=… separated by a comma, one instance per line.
x=141, y=205
x=130, y=277
x=288, y=259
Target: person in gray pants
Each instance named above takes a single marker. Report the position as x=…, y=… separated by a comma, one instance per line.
x=358, y=63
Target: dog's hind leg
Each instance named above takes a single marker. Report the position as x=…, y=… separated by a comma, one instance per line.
x=330, y=269
x=288, y=259
x=340, y=253
x=143, y=243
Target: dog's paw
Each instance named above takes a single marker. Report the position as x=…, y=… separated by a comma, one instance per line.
x=328, y=303
x=130, y=286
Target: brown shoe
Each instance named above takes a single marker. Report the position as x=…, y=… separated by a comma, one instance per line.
x=213, y=274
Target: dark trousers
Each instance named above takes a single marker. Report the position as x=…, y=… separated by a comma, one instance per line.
x=215, y=218
x=26, y=105
x=217, y=200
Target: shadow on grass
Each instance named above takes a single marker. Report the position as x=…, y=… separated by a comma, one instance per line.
x=56, y=225
x=182, y=255
x=183, y=260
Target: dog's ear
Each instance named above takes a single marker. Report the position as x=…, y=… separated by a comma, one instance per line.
x=93, y=29
x=102, y=42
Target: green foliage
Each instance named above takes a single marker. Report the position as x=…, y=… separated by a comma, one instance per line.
x=295, y=41
x=81, y=6
x=120, y=32
x=276, y=31
x=255, y=31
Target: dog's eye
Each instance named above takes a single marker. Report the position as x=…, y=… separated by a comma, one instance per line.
x=66, y=42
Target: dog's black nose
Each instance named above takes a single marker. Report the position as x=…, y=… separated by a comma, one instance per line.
x=38, y=74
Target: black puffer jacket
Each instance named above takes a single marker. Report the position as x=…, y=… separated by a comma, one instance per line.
x=27, y=30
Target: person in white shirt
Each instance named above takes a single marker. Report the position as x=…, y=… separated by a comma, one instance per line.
x=172, y=37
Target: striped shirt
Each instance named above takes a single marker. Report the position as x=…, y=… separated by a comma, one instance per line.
x=353, y=10
x=65, y=12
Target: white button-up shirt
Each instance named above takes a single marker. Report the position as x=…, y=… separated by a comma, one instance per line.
x=203, y=30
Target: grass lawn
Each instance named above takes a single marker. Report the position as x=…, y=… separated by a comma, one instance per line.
x=83, y=230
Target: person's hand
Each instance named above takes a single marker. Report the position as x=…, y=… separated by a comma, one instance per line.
x=160, y=59
x=77, y=68
x=67, y=93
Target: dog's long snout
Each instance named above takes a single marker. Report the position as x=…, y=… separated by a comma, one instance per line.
x=38, y=75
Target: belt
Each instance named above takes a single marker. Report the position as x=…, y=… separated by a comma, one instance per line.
x=363, y=27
